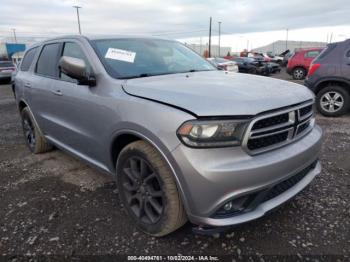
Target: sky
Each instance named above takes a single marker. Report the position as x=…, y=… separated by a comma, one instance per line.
x=244, y=23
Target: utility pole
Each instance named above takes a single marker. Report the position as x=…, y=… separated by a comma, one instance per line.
x=330, y=38
x=77, y=8
x=200, y=46
x=287, y=39
x=14, y=34
x=219, y=38
x=209, y=53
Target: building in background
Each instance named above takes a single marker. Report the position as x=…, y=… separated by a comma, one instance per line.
x=204, y=49
x=280, y=46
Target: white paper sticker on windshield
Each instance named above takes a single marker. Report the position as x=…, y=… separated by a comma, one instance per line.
x=119, y=54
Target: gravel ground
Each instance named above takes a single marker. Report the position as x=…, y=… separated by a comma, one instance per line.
x=53, y=204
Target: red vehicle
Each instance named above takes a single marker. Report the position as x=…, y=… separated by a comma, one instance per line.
x=299, y=63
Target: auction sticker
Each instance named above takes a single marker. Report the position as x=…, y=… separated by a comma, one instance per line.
x=120, y=54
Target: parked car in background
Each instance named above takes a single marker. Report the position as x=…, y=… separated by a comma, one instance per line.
x=7, y=69
x=223, y=64
x=252, y=66
x=298, y=64
x=329, y=78
x=274, y=67
x=286, y=57
x=183, y=140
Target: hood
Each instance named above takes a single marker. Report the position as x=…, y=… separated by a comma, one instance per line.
x=217, y=93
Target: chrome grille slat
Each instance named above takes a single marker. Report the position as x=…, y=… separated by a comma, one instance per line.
x=300, y=121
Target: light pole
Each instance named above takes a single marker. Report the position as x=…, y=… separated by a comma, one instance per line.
x=14, y=34
x=219, y=37
x=77, y=8
x=209, y=53
x=287, y=39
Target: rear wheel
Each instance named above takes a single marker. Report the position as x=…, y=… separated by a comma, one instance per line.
x=333, y=101
x=35, y=141
x=148, y=190
x=299, y=73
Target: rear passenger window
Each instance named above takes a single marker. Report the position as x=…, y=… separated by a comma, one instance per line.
x=28, y=59
x=312, y=53
x=74, y=50
x=348, y=53
x=47, y=63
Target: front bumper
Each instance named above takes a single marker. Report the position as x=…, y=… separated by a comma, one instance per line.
x=211, y=177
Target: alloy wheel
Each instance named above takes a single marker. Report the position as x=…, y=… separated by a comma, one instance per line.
x=142, y=190
x=29, y=132
x=332, y=101
x=298, y=74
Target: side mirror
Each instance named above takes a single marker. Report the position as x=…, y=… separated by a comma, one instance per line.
x=76, y=69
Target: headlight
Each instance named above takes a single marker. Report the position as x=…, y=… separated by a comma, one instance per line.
x=211, y=133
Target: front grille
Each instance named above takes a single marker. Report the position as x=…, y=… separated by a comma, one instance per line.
x=303, y=127
x=287, y=184
x=305, y=111
x=277, y=129
x=267, y=141
x=271, y=121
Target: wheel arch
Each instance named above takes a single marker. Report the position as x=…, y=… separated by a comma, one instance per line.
x=332, y=81
x=127, y=136
x=21, y=105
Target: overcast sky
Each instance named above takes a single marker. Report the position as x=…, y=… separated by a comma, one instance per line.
x=259, y=21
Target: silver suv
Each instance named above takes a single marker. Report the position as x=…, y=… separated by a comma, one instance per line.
x=183, y=140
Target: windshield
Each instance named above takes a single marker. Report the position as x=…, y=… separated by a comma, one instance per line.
x=131, y=58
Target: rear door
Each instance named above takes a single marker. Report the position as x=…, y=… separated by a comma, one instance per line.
x=40, y=86
x=346, y=61
x=78, y=114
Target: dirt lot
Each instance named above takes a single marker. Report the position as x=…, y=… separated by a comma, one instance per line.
x=53, y=204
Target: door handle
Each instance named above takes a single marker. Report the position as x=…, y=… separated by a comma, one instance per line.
x=57, y=92
x=27, y=85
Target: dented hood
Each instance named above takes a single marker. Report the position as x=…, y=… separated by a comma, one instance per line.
x=217, y=93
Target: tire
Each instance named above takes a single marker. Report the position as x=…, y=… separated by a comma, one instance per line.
x=299, y=73
x=35, y=141
x=333, y=95
x=157, y=190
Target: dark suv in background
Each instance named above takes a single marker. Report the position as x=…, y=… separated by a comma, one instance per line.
x=329, y=79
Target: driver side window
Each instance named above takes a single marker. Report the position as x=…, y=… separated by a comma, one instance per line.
x=73, y=50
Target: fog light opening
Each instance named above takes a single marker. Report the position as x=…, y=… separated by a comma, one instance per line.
x=228, y=206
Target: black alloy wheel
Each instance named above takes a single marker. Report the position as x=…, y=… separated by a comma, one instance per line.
x=142, y=190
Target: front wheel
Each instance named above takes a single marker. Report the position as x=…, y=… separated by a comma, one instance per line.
x=148, y=190
x=333, y=101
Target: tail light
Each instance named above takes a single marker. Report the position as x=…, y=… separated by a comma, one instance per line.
x=312, y=69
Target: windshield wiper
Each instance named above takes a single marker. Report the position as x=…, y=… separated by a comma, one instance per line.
x=136, y=76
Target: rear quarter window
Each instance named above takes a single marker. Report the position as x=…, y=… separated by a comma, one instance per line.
x=312, y=53
x=28, y=59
